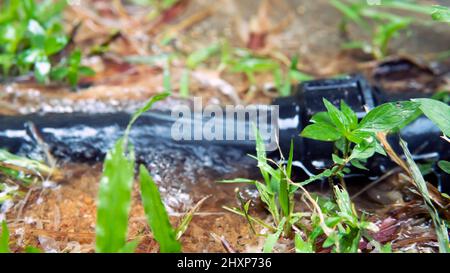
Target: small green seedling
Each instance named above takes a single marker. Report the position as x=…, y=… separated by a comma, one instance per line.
x=32, y=39
x=71, y=69
x=114, y=197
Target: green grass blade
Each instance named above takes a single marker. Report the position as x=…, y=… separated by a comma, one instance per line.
x=184, y=84
x=388, y=116
x=114, y=199
x=130, y=247
x=284, y=196
x=156, y=213
x=261, y=155
x=290, y=159
x=439, y=224
x=4, y=238
x=273, y=238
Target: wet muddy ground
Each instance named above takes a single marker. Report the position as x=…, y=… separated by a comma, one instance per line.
x=60, y=216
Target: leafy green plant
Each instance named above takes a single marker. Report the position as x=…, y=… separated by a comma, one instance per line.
x=71, y=69
x=343, y=128
x=284, y=84
x=339, y=220
x=355, y=141
x=32, y=38
x=240, y=60
x=381, y=21
x=275, y=192
x=345, y=227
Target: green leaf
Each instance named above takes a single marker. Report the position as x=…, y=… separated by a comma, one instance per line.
x=357, y=136
x=350, y=12
x=75, y=58
x=54, y=44
x=59, y=73
x=337, y=159
x=302, y=246
x=30, y=249
x=344, y=203
x=321, y=131
x=365, y=149
x=357, y=164
x=388, y=116
x=114, y=199
x=4, y=238
x=387, y=248
x=238, y=180
x=188, y=216
x=444, y=165
x=130, y=247
x=156, y=214
x=299, y=76
x=337, y=117
x=326, y=173
x=252, y=65
x=272, y=239
x=386, y=32
x=86, y=71
x=322, y=117
x=261, y=155
x=284, y=196
x=438, y=112
x=201, y=55
x=290, y=159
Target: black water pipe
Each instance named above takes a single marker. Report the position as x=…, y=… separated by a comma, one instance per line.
x=87, y=137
